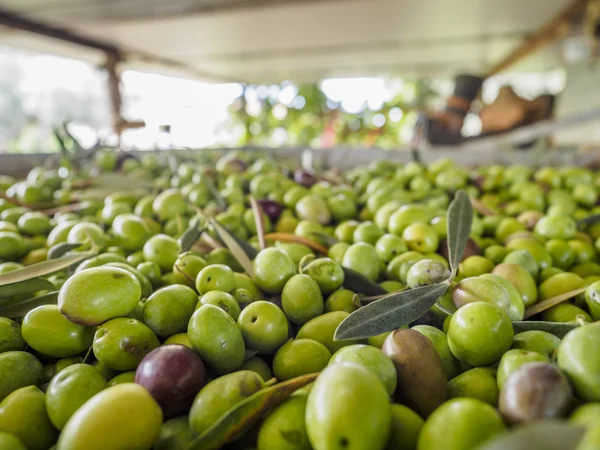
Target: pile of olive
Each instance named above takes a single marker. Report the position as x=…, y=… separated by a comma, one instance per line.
x=148, y=345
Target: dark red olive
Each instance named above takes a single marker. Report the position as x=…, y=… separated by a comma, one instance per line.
x=173, y=374
x=271, y=208
x=304, y=177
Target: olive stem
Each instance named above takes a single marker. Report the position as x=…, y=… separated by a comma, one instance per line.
x=580, y=320
x=271, y=382
x=87, y=354
x=359, y=301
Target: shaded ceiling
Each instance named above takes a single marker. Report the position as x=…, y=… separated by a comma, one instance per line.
x=260, y=41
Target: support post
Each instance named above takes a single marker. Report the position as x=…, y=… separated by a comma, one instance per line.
x=120, y=124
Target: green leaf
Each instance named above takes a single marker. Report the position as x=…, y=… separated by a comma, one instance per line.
x=542, y=435
x=250, y=251
x=250, y=354
x=552, y=301
x=231, y=242
x=460, y=219
x=390, y=312
x=190, y=236
x=357, y=282
x=558, y=329
x=25, y=287
x=589, y=220
x=216, y=195
x=58, y=250
x=243, y=416
x=43, y=268
x=23, y=307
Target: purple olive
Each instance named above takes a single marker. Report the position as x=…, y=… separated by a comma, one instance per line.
x=304, y=177
x=271, y=208
x=173, y=374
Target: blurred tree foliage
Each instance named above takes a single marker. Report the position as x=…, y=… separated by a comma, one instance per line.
x=310, y=118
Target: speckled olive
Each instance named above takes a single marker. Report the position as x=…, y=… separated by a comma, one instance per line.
x=121, y=343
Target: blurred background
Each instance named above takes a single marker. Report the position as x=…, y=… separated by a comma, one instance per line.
x=278, y=73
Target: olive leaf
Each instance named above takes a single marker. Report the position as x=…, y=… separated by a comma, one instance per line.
x=589, y=220
x=288, y=237
x=243, y=416
x=58, y=250
x=259, y=220
x=250, y=251
x=233, y=244
x=558, y=329
x=550, y=302
x=390, y=312
x=357, y=282
x=21, y=308
x=541, y=435
x=460, y=219
x=249, y=354
x=25, y=287
x=190, y=236
x=44, y=268
x=214, y=192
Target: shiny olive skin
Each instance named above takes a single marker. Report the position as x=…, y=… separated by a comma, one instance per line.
x=95, y=295
x=162, y=250
x=272, y=269
x=322, y=329
x=215, y=277
x=301, y=299
x=223, y=300
x=371, y=358
x=46, y=330
x=328, y=274
x=480, y=333
x=300, y=357
x=69, y=390
x=479, y=383
x=348, y=407
x=460, y=424
x=575, y=360
x=362, y=258
x=216, y=337
x=263, y=326
x=168, y=310
x=121, y=343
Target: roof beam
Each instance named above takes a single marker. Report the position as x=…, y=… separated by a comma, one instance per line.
x=19, y=22
x=557, y=28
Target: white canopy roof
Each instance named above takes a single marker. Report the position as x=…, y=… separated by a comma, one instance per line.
x=261, y=41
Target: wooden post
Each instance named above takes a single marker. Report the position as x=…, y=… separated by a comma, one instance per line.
x=120, y=124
